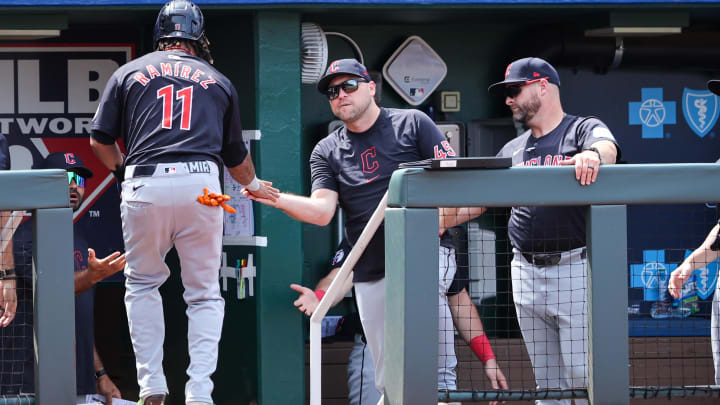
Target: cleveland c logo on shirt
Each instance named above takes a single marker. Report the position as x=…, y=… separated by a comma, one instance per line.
x=369, y=164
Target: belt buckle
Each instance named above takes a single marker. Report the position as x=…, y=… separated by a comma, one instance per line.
x=543, y=259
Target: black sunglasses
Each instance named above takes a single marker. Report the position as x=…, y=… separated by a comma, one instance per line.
x=348, y=86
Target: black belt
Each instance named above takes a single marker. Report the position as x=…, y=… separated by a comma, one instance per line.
x=149, y=169
x=547, y=259
x=144, y=170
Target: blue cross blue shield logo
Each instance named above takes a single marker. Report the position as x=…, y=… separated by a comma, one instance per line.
x=701, y=110
x=652, y=112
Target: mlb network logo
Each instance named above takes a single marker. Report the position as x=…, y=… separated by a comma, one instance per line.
x=700, y=109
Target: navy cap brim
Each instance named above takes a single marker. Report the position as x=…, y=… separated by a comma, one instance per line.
x=83, y=171
x=714, y=86
x=494, y=87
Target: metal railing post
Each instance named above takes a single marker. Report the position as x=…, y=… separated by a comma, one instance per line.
x=411, y=315
x=54, y=303
x=609, y=379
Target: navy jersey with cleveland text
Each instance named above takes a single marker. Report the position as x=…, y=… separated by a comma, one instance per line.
x=552, y=229
x=358, y=167
x=170, y=106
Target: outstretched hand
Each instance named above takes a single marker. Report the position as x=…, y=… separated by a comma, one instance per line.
x=266, y=194
x=307, y=302
x=100, y=269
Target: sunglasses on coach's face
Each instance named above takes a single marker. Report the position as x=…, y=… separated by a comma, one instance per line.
x=79, y=180
x=515, y=89
x=348, y=86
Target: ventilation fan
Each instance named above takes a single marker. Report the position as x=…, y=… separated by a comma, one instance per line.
x=315, y=51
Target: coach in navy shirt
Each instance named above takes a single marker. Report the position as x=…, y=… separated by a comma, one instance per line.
x=353, y=166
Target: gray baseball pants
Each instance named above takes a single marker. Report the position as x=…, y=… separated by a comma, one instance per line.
x=159, y=211
x=551, y=305
x=371, y=306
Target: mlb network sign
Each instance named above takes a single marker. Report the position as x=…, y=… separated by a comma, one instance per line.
x=50, y=93
x=54, y=90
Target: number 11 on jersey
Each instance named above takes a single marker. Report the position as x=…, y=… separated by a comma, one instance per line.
x=185, y=97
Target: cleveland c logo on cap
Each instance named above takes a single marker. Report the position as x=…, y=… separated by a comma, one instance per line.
x=507, y=70
x=334, y=67
x=70, y=158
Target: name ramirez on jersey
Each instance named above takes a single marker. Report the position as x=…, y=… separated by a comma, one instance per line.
x=177, y=69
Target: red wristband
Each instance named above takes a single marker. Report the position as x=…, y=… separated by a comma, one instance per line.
x=319, y=294
x=481, y=347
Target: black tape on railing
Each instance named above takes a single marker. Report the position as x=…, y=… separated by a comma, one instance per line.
x=510, y=395
x=22, y=399
x=709, y=391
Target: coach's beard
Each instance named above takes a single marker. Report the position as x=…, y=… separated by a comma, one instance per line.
x=526, y=112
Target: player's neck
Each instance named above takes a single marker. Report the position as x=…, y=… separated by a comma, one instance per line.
x=546, y=121
x=364, y=122
x=179, y=48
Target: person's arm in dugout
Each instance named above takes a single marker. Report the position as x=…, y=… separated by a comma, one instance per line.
x=309, y=299
x=698, y=258
x=109, y=154
x=244, y=173
x=318, y=209
x=104, y=385
x=468, y=323
x=98, y=270
x=450, y=217
x=587, y=163
x=8, y=286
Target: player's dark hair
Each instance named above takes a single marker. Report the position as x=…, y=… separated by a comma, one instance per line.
x=201, y=47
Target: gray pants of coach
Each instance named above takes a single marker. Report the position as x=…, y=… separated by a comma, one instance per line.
x=551, y=305
x=371, y=306
x=160, y=211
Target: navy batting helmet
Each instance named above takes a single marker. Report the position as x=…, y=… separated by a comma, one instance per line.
x=179, y=19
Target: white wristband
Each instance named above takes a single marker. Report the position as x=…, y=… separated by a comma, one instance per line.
x=254, y=185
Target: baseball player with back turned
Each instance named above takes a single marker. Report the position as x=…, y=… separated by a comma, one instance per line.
x=179, y=119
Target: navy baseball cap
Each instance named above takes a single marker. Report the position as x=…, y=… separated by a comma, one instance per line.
x=342, y=67
x=714, y=86
x=65, y=160
x=528, y=69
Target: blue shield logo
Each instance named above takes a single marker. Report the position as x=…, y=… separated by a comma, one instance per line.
x=706, y=280
x=701, y=109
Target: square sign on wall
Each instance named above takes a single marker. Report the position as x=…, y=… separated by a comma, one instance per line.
x=414, y=70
